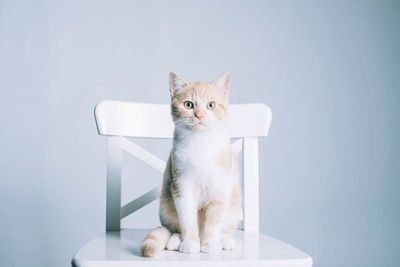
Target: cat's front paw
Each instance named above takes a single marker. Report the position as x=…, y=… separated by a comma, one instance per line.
x=189, y=246
x=211, y=246
x=174, y=242
x=228, y=243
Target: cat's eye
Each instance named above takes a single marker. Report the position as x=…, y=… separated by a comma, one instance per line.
x=188, y=104
x=211, y=105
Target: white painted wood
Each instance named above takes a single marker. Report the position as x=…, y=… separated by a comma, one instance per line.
x=121, y=249
x=143, y=155
x=114, y=164
x=159, y=165
x=250, y=184
x=133, y=119
x=154, y=120
x=152, y=161
x=140, y=202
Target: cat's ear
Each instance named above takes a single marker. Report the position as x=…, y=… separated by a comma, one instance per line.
x=176, y=83
x=223, y=83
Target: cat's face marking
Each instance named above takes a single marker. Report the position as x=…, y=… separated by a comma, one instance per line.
x=199, y=105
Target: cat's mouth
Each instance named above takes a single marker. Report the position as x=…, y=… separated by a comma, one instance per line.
x=193, y=124
x=199, y=125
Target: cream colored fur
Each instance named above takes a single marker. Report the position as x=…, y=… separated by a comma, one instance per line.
x=200, y=201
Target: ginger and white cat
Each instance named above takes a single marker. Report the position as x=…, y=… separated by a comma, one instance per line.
x=200, y=202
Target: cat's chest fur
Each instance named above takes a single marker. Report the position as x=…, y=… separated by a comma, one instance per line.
x=196, y=155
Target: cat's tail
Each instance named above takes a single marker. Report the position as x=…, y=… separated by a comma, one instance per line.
x=155, y=241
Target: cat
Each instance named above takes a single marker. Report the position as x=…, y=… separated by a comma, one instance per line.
x=200, y=203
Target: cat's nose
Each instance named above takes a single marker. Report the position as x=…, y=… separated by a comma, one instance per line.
x=199, y=116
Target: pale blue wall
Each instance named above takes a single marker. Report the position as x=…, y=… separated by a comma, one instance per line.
x=328, y=69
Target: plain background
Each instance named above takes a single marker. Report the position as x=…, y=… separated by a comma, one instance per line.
x=329, y=70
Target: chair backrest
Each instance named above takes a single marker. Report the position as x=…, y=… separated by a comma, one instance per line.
x=117, y=120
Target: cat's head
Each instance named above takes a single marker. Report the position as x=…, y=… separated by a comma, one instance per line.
x=199, y=105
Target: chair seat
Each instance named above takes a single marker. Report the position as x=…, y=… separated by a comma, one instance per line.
x=121, y=249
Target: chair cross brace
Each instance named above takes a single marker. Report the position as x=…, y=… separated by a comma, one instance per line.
x=117, y=144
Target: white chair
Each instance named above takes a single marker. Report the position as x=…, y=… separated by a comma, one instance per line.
x=120, y=247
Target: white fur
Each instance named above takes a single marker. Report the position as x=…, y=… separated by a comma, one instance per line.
x=196, y=153
x=228, y=243
x=189, y=246
x=212, y=246
x=174, y=242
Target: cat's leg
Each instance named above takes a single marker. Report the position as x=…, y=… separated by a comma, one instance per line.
x=169, y=219
x=186, y=207
x=232, y=220
x=214, y=213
